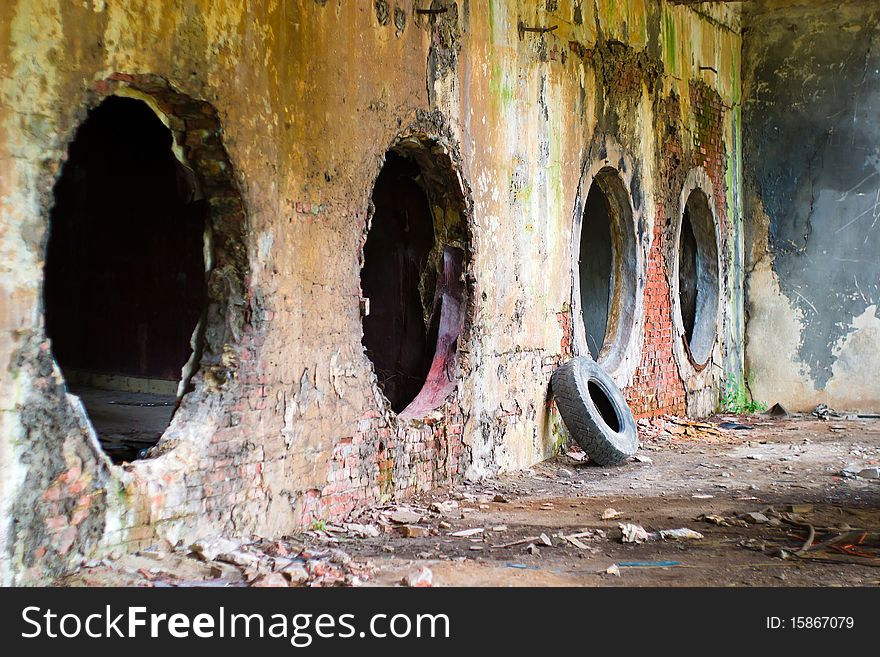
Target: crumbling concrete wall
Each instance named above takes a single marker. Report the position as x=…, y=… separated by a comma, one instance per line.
x=289, y=107
x=811, y=78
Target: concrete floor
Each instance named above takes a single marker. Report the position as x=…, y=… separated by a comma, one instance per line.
x=788, y=469
x=778, y=464
x=126, y=422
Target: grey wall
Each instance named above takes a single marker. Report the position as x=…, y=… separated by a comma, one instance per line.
x=811, y=106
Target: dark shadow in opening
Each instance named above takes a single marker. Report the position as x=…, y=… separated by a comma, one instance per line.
x=698, y=282
x=398, y=338
x=604, y=406
x=596, y=268
x=125, y=273
x=687, y=275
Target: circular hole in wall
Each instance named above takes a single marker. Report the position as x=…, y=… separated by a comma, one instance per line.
x=412, y=277
x=698, y=286
x=607, y=268
x=124, y=287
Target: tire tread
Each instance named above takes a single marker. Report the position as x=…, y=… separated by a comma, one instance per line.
x=577, y=419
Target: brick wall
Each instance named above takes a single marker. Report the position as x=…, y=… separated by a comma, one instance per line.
x=656, y=387
x=708, y=143
x=386, y=460
x=383, y=459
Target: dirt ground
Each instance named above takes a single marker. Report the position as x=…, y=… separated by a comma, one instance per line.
x=788, y=472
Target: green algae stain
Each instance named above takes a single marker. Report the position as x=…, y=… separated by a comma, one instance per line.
x=499, y=84
x=499, y=87
x=669, y=40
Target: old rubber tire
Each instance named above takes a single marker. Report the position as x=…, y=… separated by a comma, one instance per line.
x=594, y=411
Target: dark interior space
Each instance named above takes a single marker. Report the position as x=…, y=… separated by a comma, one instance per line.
x=604, y=406
x=399, y=335
x=125, y=271
x=596, y=268
x=687, y=275
x=698, y=285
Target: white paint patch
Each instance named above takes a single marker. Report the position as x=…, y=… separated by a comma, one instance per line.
x=775, y=370
x=774, y=335
x=265, y=242
x=855, y=384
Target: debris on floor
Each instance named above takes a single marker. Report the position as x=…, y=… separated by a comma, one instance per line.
x=466, y=533
x=404, y=516
x=777, y=411
x=576, y=454
x=721, y=521
x=631, y=533
x=221, y=561
x=755, y=517
x=648, y=564
x=683, y=427
x=735, y=426
x=853, y=471
x=423, y=577
x=823, y=412
x=788, y=513
x=364, y=531
x=680, y=534
x=657, y=431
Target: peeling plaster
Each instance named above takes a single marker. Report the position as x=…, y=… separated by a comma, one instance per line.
x=773, y=338
x=810, y=80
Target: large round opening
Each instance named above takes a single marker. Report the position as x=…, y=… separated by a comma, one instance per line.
x=412, y=277
x=397, y=334
x=698, y=288
x=607, y=268
x=125, y=274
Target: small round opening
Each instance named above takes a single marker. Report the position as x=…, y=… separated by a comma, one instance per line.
x=607, y=268
x=596, y=268
x=698, y=285
x=125, y=274
x=604, y=406
x=412, y=277
x=687, y=276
